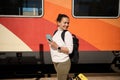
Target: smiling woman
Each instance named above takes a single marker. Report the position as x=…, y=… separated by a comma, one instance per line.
x=26, y=8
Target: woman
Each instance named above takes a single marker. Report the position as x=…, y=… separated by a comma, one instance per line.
x=60, y=49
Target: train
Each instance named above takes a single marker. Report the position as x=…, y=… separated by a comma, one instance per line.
x=25, y=23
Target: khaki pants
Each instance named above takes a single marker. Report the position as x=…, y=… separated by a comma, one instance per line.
x=62, y=69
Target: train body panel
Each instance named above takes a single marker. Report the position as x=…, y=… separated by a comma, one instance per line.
x=26, y=34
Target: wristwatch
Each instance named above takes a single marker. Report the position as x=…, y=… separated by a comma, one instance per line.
x=59, y=48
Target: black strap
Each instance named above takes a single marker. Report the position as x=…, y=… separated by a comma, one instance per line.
x=62, y=35
x=55, y=32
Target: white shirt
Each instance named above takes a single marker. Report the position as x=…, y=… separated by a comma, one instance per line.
x=68, y=42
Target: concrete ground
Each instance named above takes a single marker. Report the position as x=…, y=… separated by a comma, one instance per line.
x=90, y=76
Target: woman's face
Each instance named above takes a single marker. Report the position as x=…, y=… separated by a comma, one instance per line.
x=64, y=23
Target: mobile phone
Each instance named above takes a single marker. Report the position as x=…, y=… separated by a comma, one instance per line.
x=49, y=37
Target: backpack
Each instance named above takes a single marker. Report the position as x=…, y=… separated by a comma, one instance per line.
x=74, y=56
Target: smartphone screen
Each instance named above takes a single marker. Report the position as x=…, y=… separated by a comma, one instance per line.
x=49, y=37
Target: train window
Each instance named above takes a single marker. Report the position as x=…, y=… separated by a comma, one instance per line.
x=21, y=8
x=95, y=8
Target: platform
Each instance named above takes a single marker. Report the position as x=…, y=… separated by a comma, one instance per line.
x=90, y=76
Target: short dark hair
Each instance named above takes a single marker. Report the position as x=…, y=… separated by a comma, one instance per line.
x=60, y=16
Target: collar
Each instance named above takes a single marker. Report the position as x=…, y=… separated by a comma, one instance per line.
x=60, y=29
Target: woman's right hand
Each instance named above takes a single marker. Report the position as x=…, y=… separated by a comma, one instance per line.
x=53, y=45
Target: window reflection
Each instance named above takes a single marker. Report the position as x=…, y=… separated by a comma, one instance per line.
x=96, y=8
x=21, y=7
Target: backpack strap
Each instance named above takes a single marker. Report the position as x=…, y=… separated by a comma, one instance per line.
x=55, y=32
x=62, y=35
